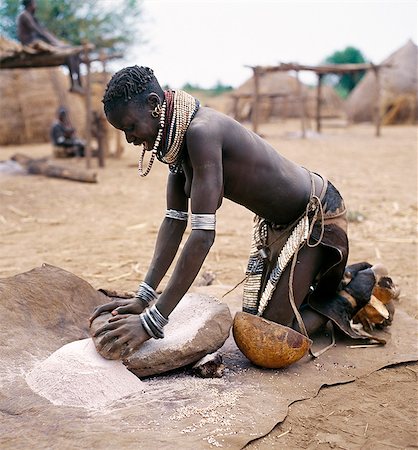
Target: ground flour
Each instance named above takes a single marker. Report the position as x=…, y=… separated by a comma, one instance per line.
x=76, y=375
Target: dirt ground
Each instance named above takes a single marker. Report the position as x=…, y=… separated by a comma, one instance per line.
x=105, y=233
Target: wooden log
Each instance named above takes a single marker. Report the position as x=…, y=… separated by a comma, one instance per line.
x=41, y=166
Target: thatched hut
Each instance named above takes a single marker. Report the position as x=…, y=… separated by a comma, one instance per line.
x=399, y=88
x=30, y=99
x=280, y=97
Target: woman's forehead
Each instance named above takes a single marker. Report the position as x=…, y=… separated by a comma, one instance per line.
x=124, y=112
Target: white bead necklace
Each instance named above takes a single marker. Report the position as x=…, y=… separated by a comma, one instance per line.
x=141, y=171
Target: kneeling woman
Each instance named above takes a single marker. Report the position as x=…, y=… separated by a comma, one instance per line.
x=300, y=245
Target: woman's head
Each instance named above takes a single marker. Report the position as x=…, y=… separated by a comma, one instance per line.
x=130, y=97
x=131, y=84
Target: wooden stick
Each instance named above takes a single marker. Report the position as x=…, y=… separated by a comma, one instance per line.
x=284, y=434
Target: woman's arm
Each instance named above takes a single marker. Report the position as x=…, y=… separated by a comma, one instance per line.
x=168, y=241
x=170, y=233
x=205, y=154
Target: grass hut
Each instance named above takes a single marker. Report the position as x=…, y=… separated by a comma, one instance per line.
x=30, y=99
x=399, y=88
x=279, y=97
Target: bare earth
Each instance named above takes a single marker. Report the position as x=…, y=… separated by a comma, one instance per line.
x=105, y=233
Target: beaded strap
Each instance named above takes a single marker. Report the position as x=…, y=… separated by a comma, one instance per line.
x=178, y=215
x=146, y=293
x=203, y=221
x=153, y=322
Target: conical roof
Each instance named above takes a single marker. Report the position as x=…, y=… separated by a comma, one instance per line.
x=284, y=101
x=398, y=81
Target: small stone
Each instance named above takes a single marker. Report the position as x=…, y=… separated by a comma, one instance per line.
x=210, y=366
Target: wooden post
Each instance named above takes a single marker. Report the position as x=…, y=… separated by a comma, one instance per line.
x=318, y=102
x=256, y=99
x=88, y=109
x=377, y=117
x=302, y=105
x=235, y=107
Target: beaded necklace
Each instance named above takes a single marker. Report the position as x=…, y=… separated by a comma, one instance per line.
x=177, y=111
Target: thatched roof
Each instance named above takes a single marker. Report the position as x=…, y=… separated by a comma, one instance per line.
x=30, y=99
x=283, y=98
x=39, y=54
x=399, y=88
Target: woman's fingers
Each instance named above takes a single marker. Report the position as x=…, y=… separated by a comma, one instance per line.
x=132, y=306
x=118, y=317
x=103, y=308
x=127, y=309
x=107, y=338
x=108, y=326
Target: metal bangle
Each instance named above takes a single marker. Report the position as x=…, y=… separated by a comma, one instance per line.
x=146, y=293
x=145, y=326
x=203, y=221
x=177, y=215
x=150, y=325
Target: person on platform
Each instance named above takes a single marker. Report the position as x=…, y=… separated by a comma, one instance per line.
x=300, y=246
x=30, y=32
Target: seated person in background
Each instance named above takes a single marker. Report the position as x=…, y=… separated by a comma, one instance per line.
x=29, y=31
x=63, y=135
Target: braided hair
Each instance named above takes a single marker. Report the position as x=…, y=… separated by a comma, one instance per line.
x=130, y=84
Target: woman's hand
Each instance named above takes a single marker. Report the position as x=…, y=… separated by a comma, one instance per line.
x=122, y=334
x=126, y=306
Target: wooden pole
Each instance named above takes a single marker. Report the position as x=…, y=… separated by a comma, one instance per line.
x=377, y=116
x=235, y=107
x=88, y=109
x=103, y=145
x=318, y=102
x=302, y=106
x=256, y=100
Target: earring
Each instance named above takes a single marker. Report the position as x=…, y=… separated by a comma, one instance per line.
x=157, y=111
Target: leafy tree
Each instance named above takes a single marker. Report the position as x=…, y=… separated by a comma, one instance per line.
x=217, y=89
x=104, y=24
x=346, y=82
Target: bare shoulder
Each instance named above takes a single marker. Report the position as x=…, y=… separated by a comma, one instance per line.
x=207, y=124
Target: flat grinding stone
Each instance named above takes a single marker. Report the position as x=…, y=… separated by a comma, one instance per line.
x=199, y=325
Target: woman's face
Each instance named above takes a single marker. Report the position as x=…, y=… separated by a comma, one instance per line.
x=136, y=122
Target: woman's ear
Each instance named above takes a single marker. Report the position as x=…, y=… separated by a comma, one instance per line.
x=153, y=100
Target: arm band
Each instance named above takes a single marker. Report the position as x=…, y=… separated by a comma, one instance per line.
x=178, y=215
x=203, y=221
x=146, y=293
x=153, y=322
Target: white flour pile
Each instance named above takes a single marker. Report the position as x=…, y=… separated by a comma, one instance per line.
x=76, y=375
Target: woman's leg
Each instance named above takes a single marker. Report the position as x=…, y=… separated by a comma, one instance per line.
x=279, y=309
